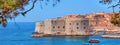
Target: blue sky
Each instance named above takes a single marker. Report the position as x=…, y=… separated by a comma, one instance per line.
x=65, y=7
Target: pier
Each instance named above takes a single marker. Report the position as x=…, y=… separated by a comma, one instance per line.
x=110, y=36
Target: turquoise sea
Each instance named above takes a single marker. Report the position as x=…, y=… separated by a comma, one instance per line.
x=19, y=34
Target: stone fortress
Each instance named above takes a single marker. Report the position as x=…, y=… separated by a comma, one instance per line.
x=75, y=24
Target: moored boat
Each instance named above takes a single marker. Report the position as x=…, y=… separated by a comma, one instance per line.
x=93, y=41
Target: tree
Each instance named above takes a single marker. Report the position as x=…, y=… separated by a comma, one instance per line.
x=110, y=2
x=115, y=18
x=9, y=9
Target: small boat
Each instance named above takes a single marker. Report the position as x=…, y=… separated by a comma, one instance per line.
x=93, y=41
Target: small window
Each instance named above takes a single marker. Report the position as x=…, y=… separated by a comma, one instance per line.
x=63, y=26
x=77, y=23
x=84, y=23
x=84, y=27
x=81, y=21
x=55, y=22
x=77, y=27
x=53, y=26
x=58, y=26
x=70, y=23
x=41, y=25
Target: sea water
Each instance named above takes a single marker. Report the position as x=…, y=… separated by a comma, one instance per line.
x=19, y=34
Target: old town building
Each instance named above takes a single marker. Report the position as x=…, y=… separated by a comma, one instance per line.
x=76, y=24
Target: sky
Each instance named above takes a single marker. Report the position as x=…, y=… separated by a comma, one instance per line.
x=65, y=7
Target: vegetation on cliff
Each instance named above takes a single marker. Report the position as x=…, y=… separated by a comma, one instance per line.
x=115, y=19
x=9, y=9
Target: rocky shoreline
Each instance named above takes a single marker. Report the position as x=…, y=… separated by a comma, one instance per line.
x=38, y=35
